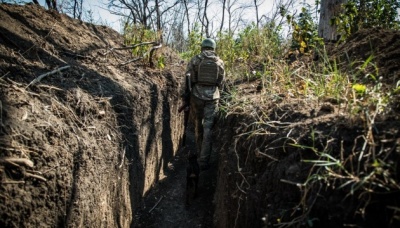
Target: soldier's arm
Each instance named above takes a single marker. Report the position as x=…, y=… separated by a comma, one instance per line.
x=188, y=79
x=194, y=62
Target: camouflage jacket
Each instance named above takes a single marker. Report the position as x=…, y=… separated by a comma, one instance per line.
x=205, y=92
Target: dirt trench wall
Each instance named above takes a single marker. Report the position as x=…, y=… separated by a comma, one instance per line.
x=248, y=186
x=87, y=141
x=263, y=169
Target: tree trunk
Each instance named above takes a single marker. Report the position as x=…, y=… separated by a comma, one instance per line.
x=223, y=15
x=187, y=15
x=206, y=23
x=158, y=21
x=75, y=8
x=257, y=19
x=329, y=10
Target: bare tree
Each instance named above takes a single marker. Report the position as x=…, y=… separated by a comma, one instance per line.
x=77, y=9
x=176, y=35
x=223, y=15
x=202, y=8
x=329, y=9
x=148, y=13
x=257, y=4
x=173, y=26
x=205, y=20
x=185, y=3
x=51, y=4
x=73, y=8
x=234, y=10
x=158, y=14
x=139, y=12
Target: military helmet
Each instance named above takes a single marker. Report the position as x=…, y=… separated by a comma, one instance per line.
x=208, y=43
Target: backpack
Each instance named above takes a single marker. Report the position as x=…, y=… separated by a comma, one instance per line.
x=208, y=70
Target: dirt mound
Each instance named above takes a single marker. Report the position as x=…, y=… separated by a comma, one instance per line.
x=83, y=135
x=377, y=49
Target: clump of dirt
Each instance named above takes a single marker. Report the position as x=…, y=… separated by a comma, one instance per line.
x=84, y=134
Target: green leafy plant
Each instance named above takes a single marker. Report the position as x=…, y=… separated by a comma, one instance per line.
x=358, y=14
x=135, y=34
x=359, y=172
x=305, y=31
x=161, y=62
x=249, y=53
x=194, y=43
x=397, y=88
x=359, y=88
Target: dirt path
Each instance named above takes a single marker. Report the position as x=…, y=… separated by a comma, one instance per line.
x=165, y=205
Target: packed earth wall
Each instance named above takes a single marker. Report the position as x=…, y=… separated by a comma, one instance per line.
x=83, y=135
x=272, y=164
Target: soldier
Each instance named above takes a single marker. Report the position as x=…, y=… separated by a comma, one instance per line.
x=206, y=77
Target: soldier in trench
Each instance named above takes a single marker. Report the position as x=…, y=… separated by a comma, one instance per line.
x=207, y=73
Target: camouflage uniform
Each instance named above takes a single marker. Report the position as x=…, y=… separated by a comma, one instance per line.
x=204, y=106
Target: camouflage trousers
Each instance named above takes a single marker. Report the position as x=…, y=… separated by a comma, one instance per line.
x=203, y=115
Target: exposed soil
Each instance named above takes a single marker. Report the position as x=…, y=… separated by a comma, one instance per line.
x=264, y=178
x=99, y=142
x=94, y=138
x=166, y=206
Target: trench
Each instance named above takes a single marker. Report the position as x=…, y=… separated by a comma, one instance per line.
x=255, y=179
x=125, y=167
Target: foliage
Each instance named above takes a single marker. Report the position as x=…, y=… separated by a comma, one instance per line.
x=194, y=43
x=161, y=62
x=359, y=88
x=364, y=172
x=358, y=14
x=250, y=50
x=242, y=53
x=136, y=33
x=305, y=30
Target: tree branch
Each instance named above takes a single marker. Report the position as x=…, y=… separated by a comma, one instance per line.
x=130, y=47
x=40, y=77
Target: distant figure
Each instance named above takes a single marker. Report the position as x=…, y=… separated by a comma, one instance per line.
x=51, y=4
x=207, y=74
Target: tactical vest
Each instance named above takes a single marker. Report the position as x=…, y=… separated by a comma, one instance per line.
x=208, y=70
